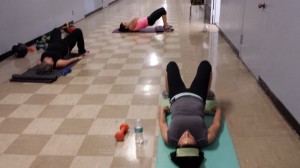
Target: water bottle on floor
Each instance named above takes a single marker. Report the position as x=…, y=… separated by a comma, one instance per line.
x=65, y=71
x=138, y=129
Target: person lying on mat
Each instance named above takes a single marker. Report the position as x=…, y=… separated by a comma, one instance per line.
x=58, y=48
x=137, y=24
x=187, y=130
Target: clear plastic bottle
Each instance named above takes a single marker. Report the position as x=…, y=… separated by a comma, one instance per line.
x=138, y=129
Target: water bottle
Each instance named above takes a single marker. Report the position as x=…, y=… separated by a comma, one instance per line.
x=65, y=71
x=138, y=129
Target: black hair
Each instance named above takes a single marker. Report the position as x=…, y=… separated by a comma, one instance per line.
x=122, y=28
x=44, y=69
x=187, y=161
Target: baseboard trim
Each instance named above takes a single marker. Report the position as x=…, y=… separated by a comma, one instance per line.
x=89, y=14
x=280, y=106
x=9, y=53
x=235, y=50
x=5, y=55
x=112, y=2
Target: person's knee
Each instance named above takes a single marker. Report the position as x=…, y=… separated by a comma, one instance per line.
x=78, y=30
x=205, y=65
x=205, y=62
x=171, y=65
x=55, y=33
x=163, y=10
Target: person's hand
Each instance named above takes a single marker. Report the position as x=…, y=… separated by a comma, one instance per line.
x=165, y=110
x=211, y=107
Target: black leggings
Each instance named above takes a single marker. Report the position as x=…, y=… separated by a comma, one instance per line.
x=154, y=16
x=199, y=85
x=74, y=37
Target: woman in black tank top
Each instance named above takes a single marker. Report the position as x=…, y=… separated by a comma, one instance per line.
x=54, y=56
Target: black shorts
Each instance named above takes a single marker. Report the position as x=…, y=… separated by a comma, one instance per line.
x=199, y=85
x=154, y=16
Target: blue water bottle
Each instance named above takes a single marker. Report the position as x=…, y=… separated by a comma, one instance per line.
x=65, y=71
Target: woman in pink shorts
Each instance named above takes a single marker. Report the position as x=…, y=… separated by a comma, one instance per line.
x=137, y=24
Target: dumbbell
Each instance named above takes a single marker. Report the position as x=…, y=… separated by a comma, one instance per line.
x=121, y=133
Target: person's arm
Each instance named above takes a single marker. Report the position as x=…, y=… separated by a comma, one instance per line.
x=163, y=125
x=132, y=24
x=63, y=63
x=41, y=59
x=215, y=126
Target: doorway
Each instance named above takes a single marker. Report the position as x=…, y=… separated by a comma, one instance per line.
x=212, y=11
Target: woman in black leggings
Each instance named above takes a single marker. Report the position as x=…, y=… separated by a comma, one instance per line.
x=187, y=130
x=136, y=24
x=58, y=48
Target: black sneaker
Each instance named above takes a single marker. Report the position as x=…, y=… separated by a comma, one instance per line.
x=211, y=95
x=165, y=95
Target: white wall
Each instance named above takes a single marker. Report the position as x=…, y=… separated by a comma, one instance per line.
x=278, y=35
x=231, y=20
x=25, y=20
x=281, y=53
x=20, y=23
x=217, y=12
x=92, y=5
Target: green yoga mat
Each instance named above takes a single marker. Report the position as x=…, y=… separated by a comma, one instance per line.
x=220, y=154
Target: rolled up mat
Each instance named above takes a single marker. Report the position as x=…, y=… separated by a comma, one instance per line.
x=33, y=78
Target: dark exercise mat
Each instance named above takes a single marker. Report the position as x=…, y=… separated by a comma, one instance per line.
x=157, y=29
x=31, y=76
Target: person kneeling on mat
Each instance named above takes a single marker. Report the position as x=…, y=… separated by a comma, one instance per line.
x=58, y=48
x=187, y=130
x=137, y=24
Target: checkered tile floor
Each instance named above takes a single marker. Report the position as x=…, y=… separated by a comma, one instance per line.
x=72, y=122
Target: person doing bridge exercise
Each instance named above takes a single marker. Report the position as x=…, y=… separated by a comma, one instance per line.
x=139, y=23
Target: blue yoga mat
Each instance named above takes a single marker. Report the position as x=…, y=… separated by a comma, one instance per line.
x=220, y=154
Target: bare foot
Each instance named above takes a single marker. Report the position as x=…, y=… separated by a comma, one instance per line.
x=80, y=57
x=86, y=53
x=167, y=26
